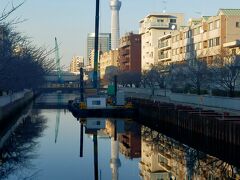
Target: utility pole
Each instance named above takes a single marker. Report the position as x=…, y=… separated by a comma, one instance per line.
x=81, y=85
x=95, y=72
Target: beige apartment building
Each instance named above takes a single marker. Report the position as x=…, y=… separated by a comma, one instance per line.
x=202, y=38
x=152, y=27
x=108, y=60
x=76, y=63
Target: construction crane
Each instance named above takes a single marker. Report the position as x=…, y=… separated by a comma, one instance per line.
x=57, y=58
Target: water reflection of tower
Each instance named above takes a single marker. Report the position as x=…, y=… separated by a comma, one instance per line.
x=115, y=161
x=113, y=127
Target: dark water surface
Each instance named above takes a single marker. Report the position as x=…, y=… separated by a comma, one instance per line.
x=45, y=144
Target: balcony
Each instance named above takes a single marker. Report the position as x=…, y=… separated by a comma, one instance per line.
x=124, y=44
x=164, y=56
x=164, y=45
x=125, y=52
x=157, y=25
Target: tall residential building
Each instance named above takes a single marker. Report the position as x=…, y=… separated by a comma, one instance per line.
x=108, y=61
x=91, y=58
x=76, y=63
x=164, y=49
x=115, y=6
x=104, y=43
x=152, y=27
x=130, y=53
x=203, y=38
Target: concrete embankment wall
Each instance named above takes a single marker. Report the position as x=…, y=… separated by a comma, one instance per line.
x=203, y=100
x=13, y=103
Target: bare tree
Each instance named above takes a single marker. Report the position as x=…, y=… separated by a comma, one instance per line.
x=226, y=70
x=110, y=72
x=195, y=74
x=129, y=78
x=9, y=9
x=156, y=76
x=22, y=65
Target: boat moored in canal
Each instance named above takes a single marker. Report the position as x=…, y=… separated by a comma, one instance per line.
x=98, y=107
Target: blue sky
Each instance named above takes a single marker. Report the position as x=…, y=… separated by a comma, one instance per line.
x=71, y=20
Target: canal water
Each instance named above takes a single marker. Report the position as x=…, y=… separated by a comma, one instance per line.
x=49, y=143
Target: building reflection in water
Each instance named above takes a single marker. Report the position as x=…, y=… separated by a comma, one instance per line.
x=92, y=126
x=165, y=158
x=130, y=140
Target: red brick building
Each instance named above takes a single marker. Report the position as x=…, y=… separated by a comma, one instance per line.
x=130, y=53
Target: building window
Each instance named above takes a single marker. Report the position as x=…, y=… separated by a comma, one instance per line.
x=173, y=20
x=210, y=43
x=217, y=41
x=181, y=50
x=160, y=20
x=96, y=102
x=238, y=24
x=205, y=44
x=189, y=34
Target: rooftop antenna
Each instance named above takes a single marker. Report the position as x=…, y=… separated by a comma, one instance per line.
x=164, y=6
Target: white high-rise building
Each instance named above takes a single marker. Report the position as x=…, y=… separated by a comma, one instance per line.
x=115, y=6
x=104, y=44
x=152, y=27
